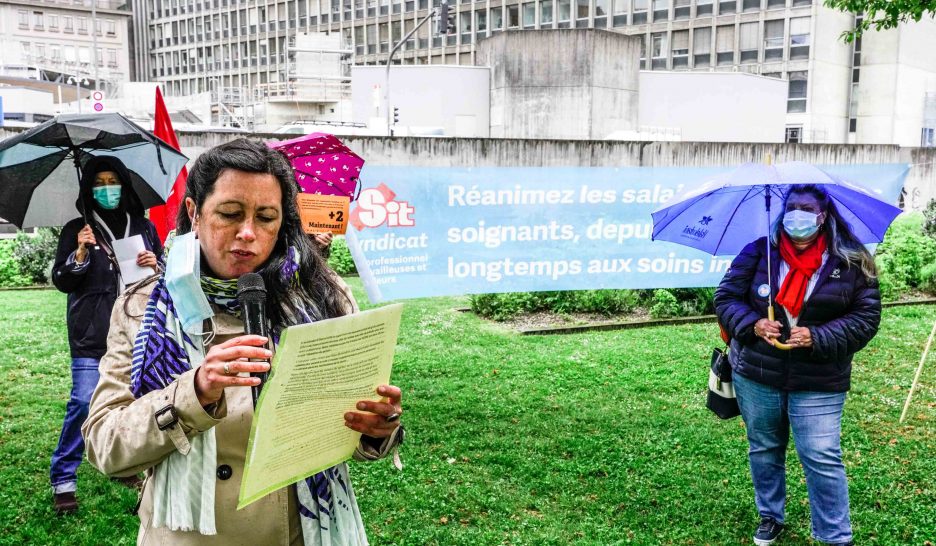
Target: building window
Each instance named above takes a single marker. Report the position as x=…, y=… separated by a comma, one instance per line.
x=800, y=3
x=529, y=15
x=56, y=53
x=68, y=23
x=750, y=5
x=497, y=19
x=513, y=16
x=620, y=13
x=601, y=13
x=724, y=45
x=702, y=47
x=680, y=49
x=640, y=11
x=703, y=7
x=853, y=109
x=23, y=16
x=481, y=21
x=581, y=13
x=53, y=22
x=726, y=7
x=799, y=38
x=660, y=10
x=643, y=52
x=565, y=12
x=38, y=20
x=546, y=12
x=796, y=96
x=776, y=4
x=928, y=138
x=682, y=9
x=111, y=26
x=794, y=135
x=82, y=25
x=773, y=40
x=748, y=42
x=658, y=51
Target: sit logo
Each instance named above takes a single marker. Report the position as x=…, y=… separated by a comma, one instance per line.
x=378, y=206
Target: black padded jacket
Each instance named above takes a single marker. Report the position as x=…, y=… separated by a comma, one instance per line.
x=842, y=313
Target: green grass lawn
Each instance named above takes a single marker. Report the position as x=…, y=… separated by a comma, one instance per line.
x=597, y=438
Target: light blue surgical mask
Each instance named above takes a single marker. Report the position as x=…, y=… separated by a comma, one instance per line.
x=183, y=281
x=800, y=224
x=107, y=196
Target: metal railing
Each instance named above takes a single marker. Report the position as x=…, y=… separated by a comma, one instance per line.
x=304, y=91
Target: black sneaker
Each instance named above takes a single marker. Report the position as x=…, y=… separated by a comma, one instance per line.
x=767, y=532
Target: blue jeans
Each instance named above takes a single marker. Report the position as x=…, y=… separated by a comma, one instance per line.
x=816, y=420
x=67, y=455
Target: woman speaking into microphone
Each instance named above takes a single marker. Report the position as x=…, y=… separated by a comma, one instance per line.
x=174, y=397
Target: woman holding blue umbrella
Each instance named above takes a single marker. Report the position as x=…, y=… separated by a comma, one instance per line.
x=794, y=373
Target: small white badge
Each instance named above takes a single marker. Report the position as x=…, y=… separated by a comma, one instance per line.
x=763, y=290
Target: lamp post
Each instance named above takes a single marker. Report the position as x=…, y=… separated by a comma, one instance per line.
x=77, y=80
x=432, y=14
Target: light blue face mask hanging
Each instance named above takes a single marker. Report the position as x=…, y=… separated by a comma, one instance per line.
x=183, y=281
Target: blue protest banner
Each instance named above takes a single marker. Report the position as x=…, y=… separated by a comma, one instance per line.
x=418, y=232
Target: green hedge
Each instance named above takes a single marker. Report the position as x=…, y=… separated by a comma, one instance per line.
x=659, y=303
x=27, y=259
x=340, y=259
x=906, y=260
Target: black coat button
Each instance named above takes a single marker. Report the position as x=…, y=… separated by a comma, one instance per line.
x=224, y=472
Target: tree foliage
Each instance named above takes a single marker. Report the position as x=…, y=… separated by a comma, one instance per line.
x=882, y=14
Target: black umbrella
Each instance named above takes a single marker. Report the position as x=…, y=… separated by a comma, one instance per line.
x=38, y=168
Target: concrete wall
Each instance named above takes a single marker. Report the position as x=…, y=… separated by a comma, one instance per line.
x=561, y=83
x=898, y=67
x=455, y=98
x=714, y=106
x=829, y=77
x=474, y=152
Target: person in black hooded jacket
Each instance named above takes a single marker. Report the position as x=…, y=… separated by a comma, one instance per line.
x=825, y=283
x=86, y=269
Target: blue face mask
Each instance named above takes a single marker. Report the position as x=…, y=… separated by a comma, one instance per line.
x=800, y=224
x=107, y=196
x=183, y=281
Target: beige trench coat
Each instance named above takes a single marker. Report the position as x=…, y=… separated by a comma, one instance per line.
x=122, y=438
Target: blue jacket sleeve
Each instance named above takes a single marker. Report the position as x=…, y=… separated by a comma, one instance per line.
x=837, y=339
x=731, y=307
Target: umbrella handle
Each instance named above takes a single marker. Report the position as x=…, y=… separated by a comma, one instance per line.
x=774, y=342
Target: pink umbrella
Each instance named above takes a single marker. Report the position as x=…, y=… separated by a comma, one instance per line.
x=322, y=163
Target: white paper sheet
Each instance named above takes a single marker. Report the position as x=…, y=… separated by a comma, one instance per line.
x=126, y=251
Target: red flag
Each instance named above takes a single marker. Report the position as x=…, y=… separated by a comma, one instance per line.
x=164, y=216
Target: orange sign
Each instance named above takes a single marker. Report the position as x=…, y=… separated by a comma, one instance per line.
x=323, y=213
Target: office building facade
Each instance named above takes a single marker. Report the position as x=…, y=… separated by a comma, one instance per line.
x=192, y=46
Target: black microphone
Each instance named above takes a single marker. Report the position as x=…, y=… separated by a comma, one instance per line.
x=251, y=294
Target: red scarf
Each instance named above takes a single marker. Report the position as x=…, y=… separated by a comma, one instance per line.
x=802, y=267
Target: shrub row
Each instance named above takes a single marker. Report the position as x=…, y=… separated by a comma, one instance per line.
x=658, y=303
x=27, y=259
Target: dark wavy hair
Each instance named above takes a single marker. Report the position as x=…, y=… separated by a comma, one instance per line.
x=842, y=242
x=317, y=294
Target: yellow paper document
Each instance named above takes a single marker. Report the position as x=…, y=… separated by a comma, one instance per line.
x=319, y=372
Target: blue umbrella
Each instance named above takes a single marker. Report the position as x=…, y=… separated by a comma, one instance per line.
x=40, y=168
x=730, y=210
